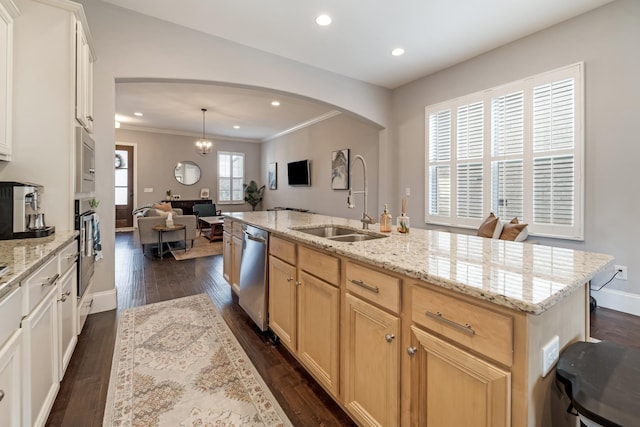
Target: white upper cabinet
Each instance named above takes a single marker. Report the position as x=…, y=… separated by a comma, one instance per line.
x=84, y=78
x=8, y=11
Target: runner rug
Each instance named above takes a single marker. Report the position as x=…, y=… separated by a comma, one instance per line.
x=176, y=363
x=201, y=247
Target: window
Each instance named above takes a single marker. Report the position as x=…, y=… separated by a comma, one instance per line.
x=515, y=150
x=230, y=177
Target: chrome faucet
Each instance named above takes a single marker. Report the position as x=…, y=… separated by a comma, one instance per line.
x=366, y=219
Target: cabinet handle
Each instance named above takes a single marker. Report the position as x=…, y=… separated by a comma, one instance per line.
x=411, y=351
x=289, y=279
x=364, y=285
x=64, y=296
x=73, y=256
x=51, y=280
x=389, y=337
x=298, y=283
x=466, y=328
x=90, y=118
x=1, y=395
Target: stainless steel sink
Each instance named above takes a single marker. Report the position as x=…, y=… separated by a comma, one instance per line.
x=327, y=231
x=340, y=234
x=360, y=237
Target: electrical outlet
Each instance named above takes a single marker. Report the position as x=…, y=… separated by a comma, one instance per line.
x=550, y=354
x=148, y=190
x=407, y=191
x=622, y=271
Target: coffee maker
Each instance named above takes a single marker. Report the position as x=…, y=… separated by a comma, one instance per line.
x=20, y=214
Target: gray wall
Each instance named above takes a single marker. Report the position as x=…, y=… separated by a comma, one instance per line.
x=606, y=39
x=158, y=153
x=316, y=142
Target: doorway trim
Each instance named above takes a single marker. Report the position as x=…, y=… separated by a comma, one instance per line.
x=134, y=146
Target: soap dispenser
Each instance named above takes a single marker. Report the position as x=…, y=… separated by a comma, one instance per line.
x=385, y=220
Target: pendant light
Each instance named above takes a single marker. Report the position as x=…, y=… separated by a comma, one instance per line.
x=203, y=146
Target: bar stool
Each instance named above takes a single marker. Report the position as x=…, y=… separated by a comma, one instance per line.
x=603, y=382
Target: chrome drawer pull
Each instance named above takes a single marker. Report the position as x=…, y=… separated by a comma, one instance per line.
x=411, y=351
x=364, y=285
x=466, y=328
x=64, y=296
x=51, y=280
x=389, y=337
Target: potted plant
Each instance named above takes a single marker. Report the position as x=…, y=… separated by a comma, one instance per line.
x=253, y=194
x=169, y=194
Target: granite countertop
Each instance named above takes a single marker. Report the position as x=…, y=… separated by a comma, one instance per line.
x=523, y=276
x=24, y=256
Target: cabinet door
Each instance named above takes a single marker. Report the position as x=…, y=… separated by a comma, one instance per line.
x=454, y=388
x=318, y=329
x=282, y=301
x=67, y=314
x=371, y=364
x=236, y=255
x=10, y=381
x=84, y=79
x=40, y=381
x=7, y=12
x=226, y=256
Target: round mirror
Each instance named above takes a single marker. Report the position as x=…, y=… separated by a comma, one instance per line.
x=187, y=172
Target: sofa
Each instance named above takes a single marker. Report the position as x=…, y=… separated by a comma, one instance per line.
x=152, y=217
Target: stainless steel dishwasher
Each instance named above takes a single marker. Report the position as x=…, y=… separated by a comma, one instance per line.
x=253, y=295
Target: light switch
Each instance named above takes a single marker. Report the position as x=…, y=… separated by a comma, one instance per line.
x=407, y=191
x=148, y=190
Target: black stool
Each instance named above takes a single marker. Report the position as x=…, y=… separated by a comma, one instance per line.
x=603, y=382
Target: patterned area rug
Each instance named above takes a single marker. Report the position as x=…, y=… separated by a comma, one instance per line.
x=201, y=247
x=176, y=363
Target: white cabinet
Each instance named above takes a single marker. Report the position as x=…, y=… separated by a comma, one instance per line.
x=8, y=11
x=10, y=359
x=10, y=381
x=67, y=306
x=40, y=333
x=84, y=78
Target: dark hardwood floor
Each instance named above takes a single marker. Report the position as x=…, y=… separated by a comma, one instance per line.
x=143, y=280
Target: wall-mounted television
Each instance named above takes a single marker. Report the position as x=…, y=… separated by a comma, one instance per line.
x=298, y=173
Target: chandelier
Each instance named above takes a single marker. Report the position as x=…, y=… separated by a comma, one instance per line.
x=203, y=146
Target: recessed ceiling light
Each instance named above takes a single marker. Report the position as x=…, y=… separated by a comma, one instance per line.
x=323, y=20
x=275, y=103
x=138, y=113
x=236, y=127
x=397, y=51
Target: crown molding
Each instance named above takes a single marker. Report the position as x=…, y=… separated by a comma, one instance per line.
x=303, y=125
x=182, y=133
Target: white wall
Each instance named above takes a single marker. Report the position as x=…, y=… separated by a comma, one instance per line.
x=131, y=45
x=316, y=143
x=606, y=39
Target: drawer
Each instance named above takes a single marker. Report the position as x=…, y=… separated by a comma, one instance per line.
x=321, y=265
x=38, y=284
x=68, y=257
x=375, y=286
x=283, y=249
x=487, y=332
x=10, y=314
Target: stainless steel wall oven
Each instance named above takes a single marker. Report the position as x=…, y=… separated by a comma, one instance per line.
x=84, y=222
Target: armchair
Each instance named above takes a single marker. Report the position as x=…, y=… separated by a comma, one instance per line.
x=205, y=209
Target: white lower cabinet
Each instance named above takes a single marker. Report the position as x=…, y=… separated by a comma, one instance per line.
x=11, y=381
x=41, y=370
x=67, y=318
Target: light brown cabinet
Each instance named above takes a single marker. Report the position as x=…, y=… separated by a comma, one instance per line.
x=304, y=308
x=226, y=256
x=371, y=364
x=232, y=253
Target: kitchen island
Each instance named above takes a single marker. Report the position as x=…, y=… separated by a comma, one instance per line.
x=471, y=314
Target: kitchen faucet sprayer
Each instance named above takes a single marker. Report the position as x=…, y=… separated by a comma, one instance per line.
x=366, y=219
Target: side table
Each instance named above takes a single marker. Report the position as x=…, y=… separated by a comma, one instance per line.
x=161, y=229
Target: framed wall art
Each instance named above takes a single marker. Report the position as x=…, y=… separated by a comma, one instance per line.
x=272, y=176
x=340, y=169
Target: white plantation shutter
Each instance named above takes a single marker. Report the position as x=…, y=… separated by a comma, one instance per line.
x=469, y=190
x=230, y=177
x=515, y=150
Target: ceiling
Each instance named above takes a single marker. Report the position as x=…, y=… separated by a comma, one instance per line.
x=435, y=34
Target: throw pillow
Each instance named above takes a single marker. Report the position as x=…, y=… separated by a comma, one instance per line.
x=165, y=214
x=514, y=231
x=491, y=227
x=163, y=207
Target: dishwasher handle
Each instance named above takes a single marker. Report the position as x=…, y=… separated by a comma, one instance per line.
x=255, y=238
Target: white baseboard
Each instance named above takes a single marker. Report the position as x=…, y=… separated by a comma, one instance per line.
x=104, y=301
x=618, y=300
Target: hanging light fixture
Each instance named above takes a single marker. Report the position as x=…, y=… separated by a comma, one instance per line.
x=203, y=146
